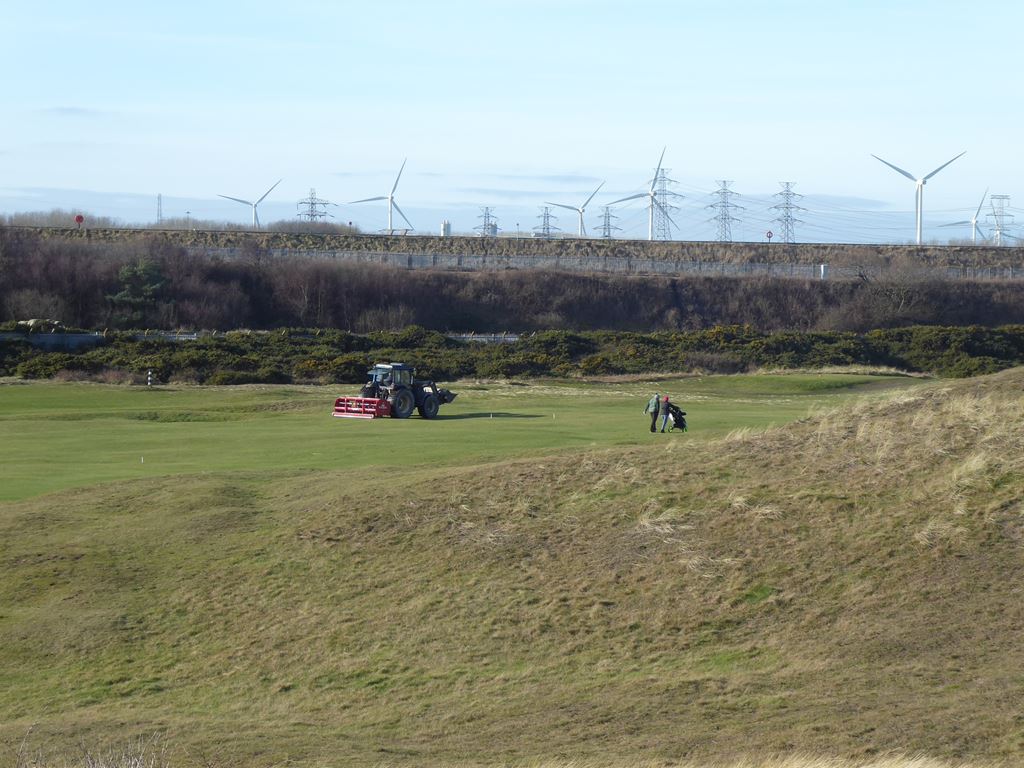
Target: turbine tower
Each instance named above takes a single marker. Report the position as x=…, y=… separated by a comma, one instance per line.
x=919, y=196
x=973, y=221
x=658, y=190
x=582, y=231
x=392, y=205
x=255, y=215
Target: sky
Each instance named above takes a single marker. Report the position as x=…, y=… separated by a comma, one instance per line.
x=515, y=104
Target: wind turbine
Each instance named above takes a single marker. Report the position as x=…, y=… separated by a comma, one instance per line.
x=255, y=216
x=973, y=221
x=919, y=197
x=582, y=232
x=654, y=202
x=390, y=197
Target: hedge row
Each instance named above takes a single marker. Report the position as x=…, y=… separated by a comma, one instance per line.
x=296, y=355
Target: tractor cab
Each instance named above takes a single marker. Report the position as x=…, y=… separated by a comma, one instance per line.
x=380, y=375
x=389, y=375
x=384, y=379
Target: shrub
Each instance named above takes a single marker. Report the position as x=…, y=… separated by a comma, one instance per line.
x=220, y=378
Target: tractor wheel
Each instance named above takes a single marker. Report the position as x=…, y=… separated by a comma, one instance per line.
x=402, y=404
x=429, y=406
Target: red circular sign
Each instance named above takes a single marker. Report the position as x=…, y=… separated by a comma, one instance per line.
x=79, y=219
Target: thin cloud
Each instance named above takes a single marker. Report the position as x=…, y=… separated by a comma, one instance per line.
x=845, y=201
x=510, y=194
x=75, y=112
x=549, y=178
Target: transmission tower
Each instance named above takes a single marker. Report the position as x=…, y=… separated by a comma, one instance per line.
x=489, y=228
x=725, y=206
x=787, y=207
x=662, y=207
x=1001, y=218
x=546, y=228
x=313, y=208
x=606, y=223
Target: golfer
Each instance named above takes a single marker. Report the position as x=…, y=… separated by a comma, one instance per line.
x=664, y=413
x=653, y=407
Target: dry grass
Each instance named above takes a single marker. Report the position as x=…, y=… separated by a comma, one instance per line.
x=129, y=757
x=141, y=753
x=797, y=761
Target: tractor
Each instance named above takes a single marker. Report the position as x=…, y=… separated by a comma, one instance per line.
x=393, y=390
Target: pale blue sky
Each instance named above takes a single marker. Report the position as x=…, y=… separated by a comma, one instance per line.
x=510, y=104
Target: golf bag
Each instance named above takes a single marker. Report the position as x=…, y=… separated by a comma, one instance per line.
x=677, y=417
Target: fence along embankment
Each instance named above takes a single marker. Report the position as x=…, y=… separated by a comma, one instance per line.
x=801, y=260
x=628, y=265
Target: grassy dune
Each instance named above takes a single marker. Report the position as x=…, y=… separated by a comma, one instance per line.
x=847, y=585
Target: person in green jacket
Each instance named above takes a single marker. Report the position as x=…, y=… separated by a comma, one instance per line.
x=653, y=407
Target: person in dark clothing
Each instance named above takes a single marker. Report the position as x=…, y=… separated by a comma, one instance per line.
x=664, y=413
x=653, y=408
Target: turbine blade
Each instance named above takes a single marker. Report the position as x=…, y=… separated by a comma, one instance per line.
x=560, y=205
x=943, y=166
x=236, y=199
x=398, y=177
x=955, y=224
x=658, y=170
x=584, y=206
x=269, y=191
x=631, y=197
x=367, y=200
x=895, y=168
x=978, y=212
x=402, y=214
x=256, y=216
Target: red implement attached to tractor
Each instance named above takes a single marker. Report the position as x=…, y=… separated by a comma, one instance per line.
x=361, y=408
x=392, y=390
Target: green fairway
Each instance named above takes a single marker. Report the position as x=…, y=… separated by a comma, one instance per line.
x=58, y=436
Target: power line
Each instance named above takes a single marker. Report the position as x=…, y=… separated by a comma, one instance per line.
x=725, y=206
x=489, y=227
x=545, y=228
x=606, y=223
x=1000, y=216
x=313, y=208
x=788, y=205
x=662, y=207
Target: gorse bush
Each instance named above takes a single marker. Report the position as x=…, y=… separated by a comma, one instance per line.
x=331, y=356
